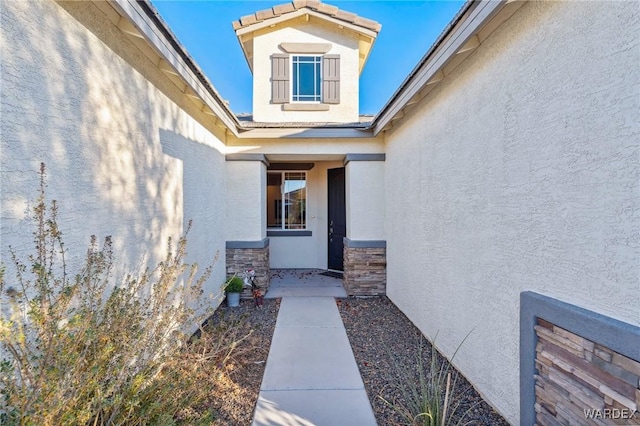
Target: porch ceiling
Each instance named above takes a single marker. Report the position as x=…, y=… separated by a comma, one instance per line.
x=280, y=158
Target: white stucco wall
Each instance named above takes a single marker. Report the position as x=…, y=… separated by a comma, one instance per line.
x=520, y=172
x=123, y=159
x=365, y=200
x=246, y=198
x=343, y=43
x=307, y=252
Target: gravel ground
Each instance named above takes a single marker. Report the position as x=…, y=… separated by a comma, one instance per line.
x=235, y=390
x=384, y=341
x=382, y=338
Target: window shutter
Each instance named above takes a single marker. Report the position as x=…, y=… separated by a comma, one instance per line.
x=331, y=79
x=279, y=78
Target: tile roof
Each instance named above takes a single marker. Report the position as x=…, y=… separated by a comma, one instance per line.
x=315, y=5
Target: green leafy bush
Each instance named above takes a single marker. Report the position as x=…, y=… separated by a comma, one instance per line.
x=79, y=349
x=234, y=285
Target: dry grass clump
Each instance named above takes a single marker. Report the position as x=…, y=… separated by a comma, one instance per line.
x=408, y=382
x=429, y=395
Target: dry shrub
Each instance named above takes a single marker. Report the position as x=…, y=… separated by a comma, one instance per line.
x=78, y=349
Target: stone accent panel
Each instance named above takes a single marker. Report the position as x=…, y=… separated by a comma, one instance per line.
x=365, y=271
x=241, y=259
x=581, y=382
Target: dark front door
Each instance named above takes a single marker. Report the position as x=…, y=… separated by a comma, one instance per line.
x=337, y=218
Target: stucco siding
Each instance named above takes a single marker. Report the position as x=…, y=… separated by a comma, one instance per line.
x=246, y=198
x=365, y=200
x=520, y=172
x=123, y=158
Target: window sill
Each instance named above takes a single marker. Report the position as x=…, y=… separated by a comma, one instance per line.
x=305, y=107
x=292, y=233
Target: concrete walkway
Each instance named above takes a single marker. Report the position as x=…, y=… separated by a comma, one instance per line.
x=311, y=376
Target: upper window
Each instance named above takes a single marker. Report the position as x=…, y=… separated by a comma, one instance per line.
x=314, y=79
x=307, y=78
x=286, y=200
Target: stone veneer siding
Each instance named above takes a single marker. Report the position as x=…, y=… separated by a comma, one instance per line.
x=365, y=269
x=257, y=258
x=575, y=375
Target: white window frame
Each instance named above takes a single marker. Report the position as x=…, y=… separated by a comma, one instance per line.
x=318, y=95
x=282, y=226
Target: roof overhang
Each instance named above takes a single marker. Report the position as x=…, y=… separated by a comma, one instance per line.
x=467, y=31
x=145, y=28
x=475, y=22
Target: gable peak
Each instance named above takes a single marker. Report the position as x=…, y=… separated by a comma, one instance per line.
x=323, y=9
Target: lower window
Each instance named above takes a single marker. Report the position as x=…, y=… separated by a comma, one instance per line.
x=286, y=200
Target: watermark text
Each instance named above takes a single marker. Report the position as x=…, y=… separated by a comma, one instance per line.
x=610, y=413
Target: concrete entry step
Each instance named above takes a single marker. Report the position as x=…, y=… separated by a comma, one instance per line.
x=303, y=283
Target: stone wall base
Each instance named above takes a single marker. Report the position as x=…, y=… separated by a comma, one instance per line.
x=576, y=366
x=365, y=271
x=580, y=381
x=242, y=259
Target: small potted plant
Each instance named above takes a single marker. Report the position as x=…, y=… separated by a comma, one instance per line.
x=233, y=287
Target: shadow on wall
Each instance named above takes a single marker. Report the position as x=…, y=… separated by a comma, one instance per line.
x=63, y=104
x=72, y=102
x=203, y=192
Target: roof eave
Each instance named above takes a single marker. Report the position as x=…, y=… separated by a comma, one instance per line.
x=475, y=21
x=472, y=25
x=140, y=19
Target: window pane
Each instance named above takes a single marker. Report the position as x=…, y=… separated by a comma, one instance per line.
x=295, y=200
x=274, y=200
x=295, y=80
x=286, y=200
x=317, y=80
x=306, y=79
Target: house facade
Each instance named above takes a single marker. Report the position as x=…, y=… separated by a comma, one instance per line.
x=317, y=167
x=496, y=193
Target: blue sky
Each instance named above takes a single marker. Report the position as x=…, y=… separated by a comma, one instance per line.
x=409, y=28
